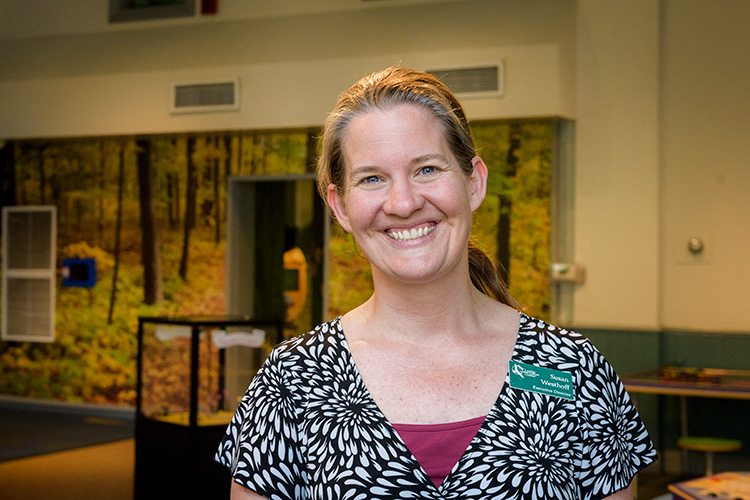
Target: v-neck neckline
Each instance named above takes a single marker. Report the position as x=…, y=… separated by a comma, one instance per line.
x=523, y=320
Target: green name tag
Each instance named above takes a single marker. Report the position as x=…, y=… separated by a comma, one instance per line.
x=541, y=380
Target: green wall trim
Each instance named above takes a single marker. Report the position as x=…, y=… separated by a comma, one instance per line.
x=633, y=351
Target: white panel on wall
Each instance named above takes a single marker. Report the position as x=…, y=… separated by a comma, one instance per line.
x=28, y=284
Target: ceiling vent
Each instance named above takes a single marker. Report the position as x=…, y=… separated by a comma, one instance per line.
x=202, y=97
x=476, y=81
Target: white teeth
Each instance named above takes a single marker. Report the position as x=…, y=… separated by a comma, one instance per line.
x=412, y=234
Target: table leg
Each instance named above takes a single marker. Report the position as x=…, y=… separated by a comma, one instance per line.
x=684, y=431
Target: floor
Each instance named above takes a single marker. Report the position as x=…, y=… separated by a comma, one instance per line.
x=106, y=471
x=82, y=453
x=100, y=472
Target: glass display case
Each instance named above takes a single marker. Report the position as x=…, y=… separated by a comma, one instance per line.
x=192, y=373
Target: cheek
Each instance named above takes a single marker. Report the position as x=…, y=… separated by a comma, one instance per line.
x=362, y=210
x=456, y=200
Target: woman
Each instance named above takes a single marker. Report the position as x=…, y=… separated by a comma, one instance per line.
x=437, y=386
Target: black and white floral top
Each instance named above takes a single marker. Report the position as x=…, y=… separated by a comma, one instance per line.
x=308, y=429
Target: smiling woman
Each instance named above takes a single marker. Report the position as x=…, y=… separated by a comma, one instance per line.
x=367, y=405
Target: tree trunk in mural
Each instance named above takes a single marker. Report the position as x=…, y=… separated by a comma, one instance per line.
x=503, y=225
x=118, y=228
x=172, y=185
x=42, y=177
x=7, y=175
x=171, y=195
x=102, y=185
x=217, y=207
x=150, y=254
x=189, y=209
x=228, y=157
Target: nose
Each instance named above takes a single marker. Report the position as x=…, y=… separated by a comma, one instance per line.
x=403, y=199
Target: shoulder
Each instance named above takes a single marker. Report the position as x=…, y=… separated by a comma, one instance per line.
x=557, y=348
x=304, y=352
x=324, y=333
x=560, y=349
x=292, y=367
x=537, y=337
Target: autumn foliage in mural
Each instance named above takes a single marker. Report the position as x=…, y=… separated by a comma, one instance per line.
x=108, y=191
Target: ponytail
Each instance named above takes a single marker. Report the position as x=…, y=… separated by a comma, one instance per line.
x=486, y=278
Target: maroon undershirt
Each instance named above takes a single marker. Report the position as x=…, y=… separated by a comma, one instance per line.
x=437, y=447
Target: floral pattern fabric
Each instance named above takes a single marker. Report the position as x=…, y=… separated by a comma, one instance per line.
x=307, y=428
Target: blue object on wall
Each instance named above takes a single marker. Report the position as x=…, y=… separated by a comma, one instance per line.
x=79, y=272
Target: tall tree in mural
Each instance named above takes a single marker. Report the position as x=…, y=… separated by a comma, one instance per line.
x=190, y=211
x=42, y=177
x=216, y=191
x=118, y=232
x=101, y=186
x=150, y=254
x=7, y=175
x=506, y=203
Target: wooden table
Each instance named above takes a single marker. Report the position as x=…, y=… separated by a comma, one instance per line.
x=685, y=382
x=693, y=382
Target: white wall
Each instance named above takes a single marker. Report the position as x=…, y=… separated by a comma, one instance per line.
x=662, y=148
x=93, y=78
x=273, y=95
x=705, y=159
x=657, y=88
x=617, y=164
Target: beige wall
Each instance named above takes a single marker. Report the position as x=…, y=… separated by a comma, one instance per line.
x=273, y=95
x=657, y=88
x=705, y=160
x=617, y=165
x=87, y=77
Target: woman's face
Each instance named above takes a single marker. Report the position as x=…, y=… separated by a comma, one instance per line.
x=405, y=199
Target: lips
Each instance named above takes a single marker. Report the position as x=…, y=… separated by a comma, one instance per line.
x=411, y=234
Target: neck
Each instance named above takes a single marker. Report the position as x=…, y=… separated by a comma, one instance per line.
x=435, y=310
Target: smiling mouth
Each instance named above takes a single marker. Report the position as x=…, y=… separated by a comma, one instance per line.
x=410, y=234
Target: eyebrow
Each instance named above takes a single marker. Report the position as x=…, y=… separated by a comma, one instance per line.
x=429, y=158
x=426, y=158
x=364, y=170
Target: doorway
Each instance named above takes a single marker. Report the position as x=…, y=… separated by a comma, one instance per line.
x=277, y=257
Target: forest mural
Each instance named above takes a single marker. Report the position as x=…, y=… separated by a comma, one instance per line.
x=152, y=211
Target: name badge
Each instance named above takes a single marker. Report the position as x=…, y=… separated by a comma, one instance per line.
x=542, y=380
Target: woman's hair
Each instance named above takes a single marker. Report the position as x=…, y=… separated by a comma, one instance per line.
x=388, y=88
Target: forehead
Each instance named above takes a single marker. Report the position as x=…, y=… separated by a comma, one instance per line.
x=400, y=130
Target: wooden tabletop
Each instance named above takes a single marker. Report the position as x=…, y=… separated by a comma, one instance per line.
x=683, y=381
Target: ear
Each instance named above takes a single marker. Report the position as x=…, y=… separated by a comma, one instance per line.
x=477, y=182
x=337, y=204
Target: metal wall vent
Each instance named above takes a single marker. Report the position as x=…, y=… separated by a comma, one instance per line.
x=205, y=96
x=29, y=277
x=480, y=81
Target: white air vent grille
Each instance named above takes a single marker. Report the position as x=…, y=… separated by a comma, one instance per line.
x=25, y=320
x=475, y=81
x=205, y=96
x=29, y=257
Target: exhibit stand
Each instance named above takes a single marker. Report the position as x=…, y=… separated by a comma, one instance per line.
x=191, y=374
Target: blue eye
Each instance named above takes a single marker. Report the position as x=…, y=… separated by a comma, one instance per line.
x=428, y=170
x=370, y=179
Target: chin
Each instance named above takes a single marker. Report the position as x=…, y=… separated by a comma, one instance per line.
x=414, y=274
